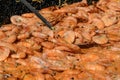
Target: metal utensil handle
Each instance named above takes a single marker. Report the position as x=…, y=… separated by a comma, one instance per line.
x=36, y=13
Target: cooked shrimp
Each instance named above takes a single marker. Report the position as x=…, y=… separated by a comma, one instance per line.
x=70, y=22
x=38, y=34
x=89, y=57
x=2, y=35
x=94, y=67
x=4, y=53
x=23, y=36
x=10, y=39
x=7, y=27
x=82, y=16
x=100, y=39
x=114, y=5
x=40, y=76
x=29, y=77
x=98, y=23
x=111, y=55
x=102, y=4
x=18, y=20
x=20, y=54
x=48, y=45
x=8, y=45
x=109, y=20
x=66, y=9
x=88, y=31
x=49, y=77
x=69, y=36
x=28, y=15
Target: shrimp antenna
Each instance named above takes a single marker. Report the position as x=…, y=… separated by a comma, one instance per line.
x=36, y=13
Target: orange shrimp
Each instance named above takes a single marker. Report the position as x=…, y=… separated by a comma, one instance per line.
x=114, y=5
x=69, y=37
x=10, y=39
x=98, y=23
x=100, y=39
x=23, y=36
x=67, y=9
x=8, y=45
x=29, y=77
x=38, y=34
x=94, y=67
x=2, y=35
x=109, y=19
x=48, y=45
x=28, y=15
x=18, y=20
x=7, y=27
x=4, y=53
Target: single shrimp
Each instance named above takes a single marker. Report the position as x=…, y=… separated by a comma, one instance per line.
x=82, y=16
x=29, y=77
x=114, y=5
x=18, y=20
x=49, y=77
x=4, y=53
x=98, y=23
x=7, y=27
x=2, y=35
x=8, y=45
x=19, y=54
x=111, y=55
x=40, y=76
x=23, y=36
x=70, y=21
x=102, y=5
x=10, y=39
x=109, y=19
x=28, y=15
x=89, y=57
x=39, y=35
x=100, y=39
x=94, y=67
x=88, y=31
x=67, y=9
x=69, y=37
x=48, y=45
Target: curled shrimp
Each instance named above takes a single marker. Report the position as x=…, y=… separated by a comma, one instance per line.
x=109, y=19
x=48, y=45
x=23, y=36
x=94, y=67
x=49, y=77
x=70, y=22
x=20, y=54
x=89, y=57
x=8, y=45
x=114, y=5
x=38, y=34
x=100, y=39
x=18, y=20
x=28, y=15
x=4, y=52
x=10, y=39
x=2, y=35
x=82, y=16
x=69, y=36
x=102, y=4
x=29, y=77
x=98, y=23
x=7, y=27
x=67, y=9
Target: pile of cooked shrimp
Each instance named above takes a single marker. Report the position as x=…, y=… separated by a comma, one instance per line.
x=84, y=44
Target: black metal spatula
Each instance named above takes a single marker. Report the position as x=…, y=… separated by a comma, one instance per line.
x=36, y=13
